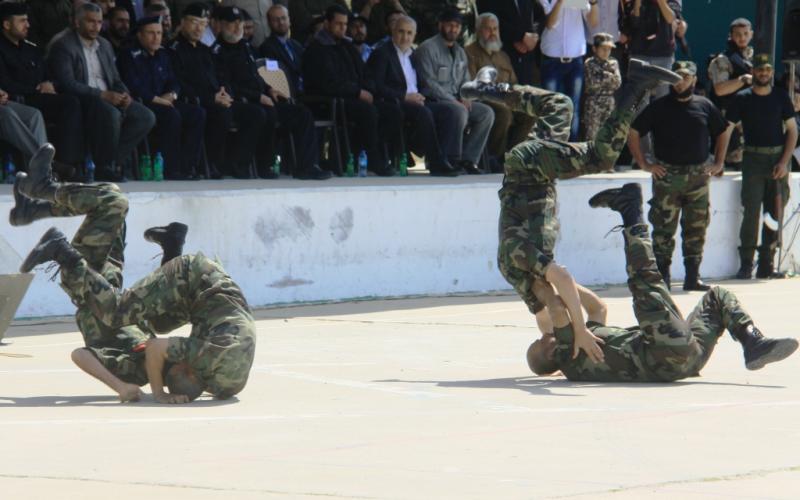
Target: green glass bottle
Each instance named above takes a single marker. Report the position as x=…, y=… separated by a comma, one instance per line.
x=403, y=164
x=145, y=168
x=350, y=168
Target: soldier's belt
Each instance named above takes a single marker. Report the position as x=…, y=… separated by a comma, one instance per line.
x=682, y=169
x=767, y=150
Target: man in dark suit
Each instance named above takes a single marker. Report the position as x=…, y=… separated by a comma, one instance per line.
x=279, y=47
x=517, y=32
x=395, y=79
x=82, y=64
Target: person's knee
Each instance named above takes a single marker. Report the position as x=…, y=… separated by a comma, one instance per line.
x=79, y=355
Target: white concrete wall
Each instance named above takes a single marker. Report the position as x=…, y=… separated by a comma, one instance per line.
x=293, y=242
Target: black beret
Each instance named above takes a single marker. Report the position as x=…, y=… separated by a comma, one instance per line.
x=8, y=9
x=197, y=9
x=229, y=14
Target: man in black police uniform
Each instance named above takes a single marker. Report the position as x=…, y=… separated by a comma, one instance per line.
x=236, y=64
x=194, y=67
x=682, y=125
x=23, y=75
x=146, y=70
x=770, y=136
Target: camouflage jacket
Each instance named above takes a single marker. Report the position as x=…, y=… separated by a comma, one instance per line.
x=601, y=77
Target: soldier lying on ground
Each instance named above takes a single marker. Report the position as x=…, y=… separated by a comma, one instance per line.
x=663, y=347
x=528, y=223
x=113, y=356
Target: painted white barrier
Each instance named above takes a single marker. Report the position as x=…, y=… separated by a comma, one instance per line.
x=288, y=241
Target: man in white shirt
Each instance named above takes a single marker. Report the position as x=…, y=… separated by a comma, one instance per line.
x=563, y=47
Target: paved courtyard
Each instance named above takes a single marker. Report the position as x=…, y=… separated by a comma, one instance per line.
x=421, y=398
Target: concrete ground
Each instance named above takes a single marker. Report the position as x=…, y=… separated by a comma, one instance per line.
x=423, y=398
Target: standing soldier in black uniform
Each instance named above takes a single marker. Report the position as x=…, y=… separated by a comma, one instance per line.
x=147, y=71
x=236, y=64
x=194, y=67
x=23, y=75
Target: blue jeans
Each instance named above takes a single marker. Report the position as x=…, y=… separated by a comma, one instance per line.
x=566, y=78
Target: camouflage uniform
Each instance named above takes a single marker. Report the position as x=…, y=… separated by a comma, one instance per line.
x=663, y=347
x=188, y=289
x=528, y=224
x=683, y=190
x=601, y=80
x=721, y=69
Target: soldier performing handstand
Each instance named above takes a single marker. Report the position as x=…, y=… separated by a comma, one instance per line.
x=663, y=347
x=528, y=223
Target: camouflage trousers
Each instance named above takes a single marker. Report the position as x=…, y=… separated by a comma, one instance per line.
x=596, y=110
x=192, y=289
x=682, y=194
x=665, y=346
x=760, y=193
x=552, y=111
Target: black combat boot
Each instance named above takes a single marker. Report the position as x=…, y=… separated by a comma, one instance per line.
x=52, y=247
x=170, y=238
x=764, y=270
x=25, y=209
x=38, y=184
x=745, y=270
x=663, y=268
x=692, y=281
x=760, y=350
x=626, y=200
x=642, y=78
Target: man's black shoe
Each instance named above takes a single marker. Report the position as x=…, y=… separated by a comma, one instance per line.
x=761, y=350
x=170, y=238
x=53, y=246
x=386, y=171
x=626, y=200
x=692, y=281
x=106, y=174
x=470, y=168
x=313, y=174
x=25, y=209
x=745, y=270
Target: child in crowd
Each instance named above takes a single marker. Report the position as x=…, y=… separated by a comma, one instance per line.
x=602, y=79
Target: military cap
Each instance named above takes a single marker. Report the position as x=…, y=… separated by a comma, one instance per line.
x=8, y=9
x=451, y=14
x=761, y=60
x=601, y=39
x=197, y=9
x=741, y=22
x=685, y=67
x=141, y=23
x=229, y=14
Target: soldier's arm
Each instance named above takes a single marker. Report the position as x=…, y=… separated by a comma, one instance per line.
x=596, y=309
x=719, y=71
x=155, y=357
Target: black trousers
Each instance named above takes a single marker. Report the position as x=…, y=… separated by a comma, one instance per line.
x=226, y=151
x=298, y=121
x=373, y=126
x=64, y=117
x=179, y=134
x=421, y=137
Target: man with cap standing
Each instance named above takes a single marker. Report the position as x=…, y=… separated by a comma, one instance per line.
x=770, y=136
x=147, y=70
x=682, y=125
x=196, y=72
x=24, y=76
x=730, y=72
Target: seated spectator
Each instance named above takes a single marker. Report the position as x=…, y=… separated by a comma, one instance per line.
x=21, y=126
x=332, y=67
x=357, y=31
x=134, y=7
x=396, y=80
x=118, y=29
x=509, y=128
x=279, y=47
x=82, y=64
x=236, y=64
x=442, y=68
x=23, y=76
x=196, y=71
x=249, y=27
x=157, y=9
x=147, y=71
x=602, y=80
x=308, y=14
x=377, y=13
x=48, y=17
x=255, y=15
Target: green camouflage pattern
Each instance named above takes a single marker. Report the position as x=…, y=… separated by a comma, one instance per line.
x=682, y=194
x=759, y=191
x=189, y=289
x=601, y=80
x=663, y=347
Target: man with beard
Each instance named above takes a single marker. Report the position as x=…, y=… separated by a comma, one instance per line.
x=682, y=125
x=119, y=27
x=357, y=31
x=770, y=136
x=279, y=47
x=509, y=128
x=441, y=65
x=729, y=73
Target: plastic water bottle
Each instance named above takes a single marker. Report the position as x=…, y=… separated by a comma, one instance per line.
x=276, y=167
x=158, y=167
x=349, y=169
x=362, y=164
x=403, y=165
x=145, y=168
x=10, y=170
x=89, y=170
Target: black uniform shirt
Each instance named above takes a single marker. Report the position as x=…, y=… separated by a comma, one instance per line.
x=195, y=70
x=762, y=116
x=681, y=130
x=22, y=67
x=236, y=64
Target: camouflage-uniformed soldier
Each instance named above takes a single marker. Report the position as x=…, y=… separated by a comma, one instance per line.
x=730, y=72
x=528, y=223
x=663, y=347
x=601, y=79
x=682, y=124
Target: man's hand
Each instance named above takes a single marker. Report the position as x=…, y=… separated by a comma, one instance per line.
x=3, y=97
x=125, y=101
x=780, y=170
x=165, y=398
x=161, y=101
x=715, y=169
x=521, y=47
x=366, y=96
x=588, y=343
x=277, y=95
x=657, y=170
x=415, y=98
x=111, y=97
x=266, y=100
x=46, y=88
x=222, y=98
x=746, y=79
x=466, y=103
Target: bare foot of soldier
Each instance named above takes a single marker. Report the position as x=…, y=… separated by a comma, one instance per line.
x=130, y=393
